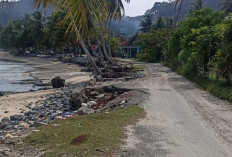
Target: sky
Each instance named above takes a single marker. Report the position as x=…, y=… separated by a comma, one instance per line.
x=138, y=7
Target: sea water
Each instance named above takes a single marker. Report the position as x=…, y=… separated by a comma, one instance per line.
x=11, y=75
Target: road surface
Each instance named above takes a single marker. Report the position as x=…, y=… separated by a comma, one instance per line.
x=182, y=120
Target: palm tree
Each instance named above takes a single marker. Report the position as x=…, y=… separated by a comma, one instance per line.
x=196, y=5
x=115, y=10
x=146, y=24
x=227, y=6
x=77, y=12
x=37, y=24
x=178, y=7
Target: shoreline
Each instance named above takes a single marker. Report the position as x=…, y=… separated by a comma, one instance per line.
x=44, y=69
x=10, y=60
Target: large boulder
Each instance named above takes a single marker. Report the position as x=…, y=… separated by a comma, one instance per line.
x=76, y=99
x=57, y=82
x=1, y=94
x=85, y=110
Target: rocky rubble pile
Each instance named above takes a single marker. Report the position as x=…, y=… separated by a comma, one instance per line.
x=73, y=101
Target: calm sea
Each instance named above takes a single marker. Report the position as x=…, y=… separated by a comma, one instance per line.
x=11, y=74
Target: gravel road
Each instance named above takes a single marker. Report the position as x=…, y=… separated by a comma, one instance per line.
x=182, y=120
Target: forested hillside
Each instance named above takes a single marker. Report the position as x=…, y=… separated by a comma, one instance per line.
x=16, y=10
x=168, y=9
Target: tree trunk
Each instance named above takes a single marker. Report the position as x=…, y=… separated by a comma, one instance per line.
x=92, y=62
x=229, y=78
x=104, y=48
x=99, y=47
x=109, y=38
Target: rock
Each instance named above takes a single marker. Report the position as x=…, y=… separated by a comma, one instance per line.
x=3, y=125
x=5, y=120
x=1, y=139
x=123, y=102
x=81, y=60
x=30, y=123
x=42, y=115
x=112, y=75
x=99, y=78
x=1, y=94
x=9, y=136
x=100, y=96
x=84, y=110
x=93, y=93
x=37, y=124
x=16, y=118
x=91, y=103
x=84, y=104
x=76, y=99
x=57, y=82
x=92, y=82
x=10, y=127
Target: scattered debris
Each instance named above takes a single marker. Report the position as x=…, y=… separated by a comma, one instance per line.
x=100, y=150
x=80, y=139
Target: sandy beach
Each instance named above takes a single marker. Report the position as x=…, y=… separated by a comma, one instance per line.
x=45, y=68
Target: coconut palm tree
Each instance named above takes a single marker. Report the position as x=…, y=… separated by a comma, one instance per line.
x=78, y=14
x=115, y=10
x=178, y=7
x=146, y=24
x=37, y=23
x=196, y=5
x=227, y=6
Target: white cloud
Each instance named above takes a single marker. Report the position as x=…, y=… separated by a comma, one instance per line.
x=138, y=7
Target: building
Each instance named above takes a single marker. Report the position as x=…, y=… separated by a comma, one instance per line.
x=131, y=49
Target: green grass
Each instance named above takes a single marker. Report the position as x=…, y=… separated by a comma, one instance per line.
x=219, y=88
x=136, y=67
x=104, y=130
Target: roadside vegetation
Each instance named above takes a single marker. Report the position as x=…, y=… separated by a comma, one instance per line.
x=199, y=47
x=92, y=135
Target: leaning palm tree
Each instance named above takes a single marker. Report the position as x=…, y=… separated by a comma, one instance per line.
x=78, y=14
x=226, y=5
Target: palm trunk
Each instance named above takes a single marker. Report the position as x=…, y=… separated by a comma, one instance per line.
x=99, y=47
x=104, y=48
x=109, y=38
x=92, y=62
